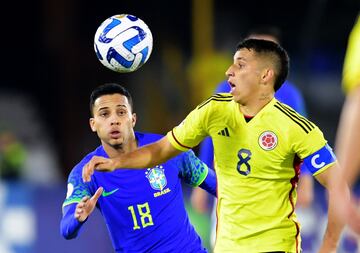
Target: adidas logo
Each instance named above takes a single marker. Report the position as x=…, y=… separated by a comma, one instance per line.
x=224, y=132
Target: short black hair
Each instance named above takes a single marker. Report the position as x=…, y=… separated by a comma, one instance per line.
x=109, y=89
x=273, y=50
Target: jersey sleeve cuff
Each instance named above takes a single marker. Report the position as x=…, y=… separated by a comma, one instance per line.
x=175, y=143
x=71, y=201
x=323, y=169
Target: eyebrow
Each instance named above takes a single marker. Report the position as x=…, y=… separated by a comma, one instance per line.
x=106, y=107
x=240, y=58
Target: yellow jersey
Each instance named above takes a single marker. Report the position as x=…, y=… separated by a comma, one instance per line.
x=351, y=69
x=257, y=166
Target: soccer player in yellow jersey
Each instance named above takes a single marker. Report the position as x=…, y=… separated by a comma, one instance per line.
x=259, y=144
x=348, y=136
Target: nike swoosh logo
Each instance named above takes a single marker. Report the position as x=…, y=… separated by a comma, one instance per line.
x=105, y=193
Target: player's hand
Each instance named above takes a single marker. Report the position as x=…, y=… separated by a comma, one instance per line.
x=97, y=163
x=86, y=206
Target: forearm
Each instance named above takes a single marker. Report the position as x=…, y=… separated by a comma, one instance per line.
x=335, y=225
x=69, y=225
x=338, y=200
x=147, y=156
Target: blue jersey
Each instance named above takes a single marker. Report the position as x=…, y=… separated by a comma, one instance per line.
x=143, y=209
x=287, y=94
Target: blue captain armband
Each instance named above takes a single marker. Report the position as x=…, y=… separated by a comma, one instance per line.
x=319, y=160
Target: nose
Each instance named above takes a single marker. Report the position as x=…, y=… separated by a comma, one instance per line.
x=229, y=72
x=114, y=120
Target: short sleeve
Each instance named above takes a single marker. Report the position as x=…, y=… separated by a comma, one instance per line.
x=76, y=188
x=191, y=131
x=192, y=170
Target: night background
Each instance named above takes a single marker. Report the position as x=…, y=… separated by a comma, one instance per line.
x=49, y=69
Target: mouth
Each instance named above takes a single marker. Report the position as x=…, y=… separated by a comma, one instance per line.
x=115, y=134
x=232, y=86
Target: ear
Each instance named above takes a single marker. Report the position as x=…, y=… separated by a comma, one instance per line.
x=92, y=124
x=267, y=75
x=133, y=119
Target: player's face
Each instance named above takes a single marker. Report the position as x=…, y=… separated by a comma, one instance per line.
x=244, y=76
x=113, y=120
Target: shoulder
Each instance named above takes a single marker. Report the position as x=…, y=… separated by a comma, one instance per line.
x=216, y=100
x=77, y=169
x=288, y=116
x=145, y=138
x=288, y=89
x=223, y=87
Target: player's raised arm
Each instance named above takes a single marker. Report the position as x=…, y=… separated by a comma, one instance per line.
x=144, y=157
x=77, y=206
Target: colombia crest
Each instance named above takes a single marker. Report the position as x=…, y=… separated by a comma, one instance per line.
x=268, y=140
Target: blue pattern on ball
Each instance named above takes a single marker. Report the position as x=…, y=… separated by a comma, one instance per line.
x=129, y=44
x=102, y=37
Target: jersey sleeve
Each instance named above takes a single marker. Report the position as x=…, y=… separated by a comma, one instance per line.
x=320, y=160
x=76, y=190
x=351, y=68
x=314, y=150
x=196, y=173
x=191, y=131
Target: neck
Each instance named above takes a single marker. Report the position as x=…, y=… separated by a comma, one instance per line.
x=253, y=107
x=120, y=149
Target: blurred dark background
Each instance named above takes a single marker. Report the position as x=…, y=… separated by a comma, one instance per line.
x=48, y=47
x=50, y=67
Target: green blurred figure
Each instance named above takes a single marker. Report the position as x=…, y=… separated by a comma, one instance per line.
x=12, y=156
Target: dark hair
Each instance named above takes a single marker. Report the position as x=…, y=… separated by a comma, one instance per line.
x=109, y=89
x=274, y=51
x=266, y=30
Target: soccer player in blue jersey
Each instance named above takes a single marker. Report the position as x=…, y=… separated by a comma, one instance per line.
x=143, y=209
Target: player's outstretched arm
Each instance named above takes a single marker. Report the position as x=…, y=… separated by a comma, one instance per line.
x=144, y=157
x=74, y=215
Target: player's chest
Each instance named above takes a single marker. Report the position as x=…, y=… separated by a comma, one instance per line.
x=260, y=146
x=256, y=134
x=151, y=183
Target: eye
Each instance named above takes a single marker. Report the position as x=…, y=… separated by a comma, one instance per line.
x=122, y=112
x=103, y=114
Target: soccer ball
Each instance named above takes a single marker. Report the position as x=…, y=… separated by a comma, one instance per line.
x=123, y=43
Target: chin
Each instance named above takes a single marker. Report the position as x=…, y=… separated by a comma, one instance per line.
x=236, y=98
x=116, y=142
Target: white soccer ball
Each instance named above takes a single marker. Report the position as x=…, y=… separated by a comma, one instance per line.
x=123, y=43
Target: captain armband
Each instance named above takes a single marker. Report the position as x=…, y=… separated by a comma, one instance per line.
x=319, y=160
